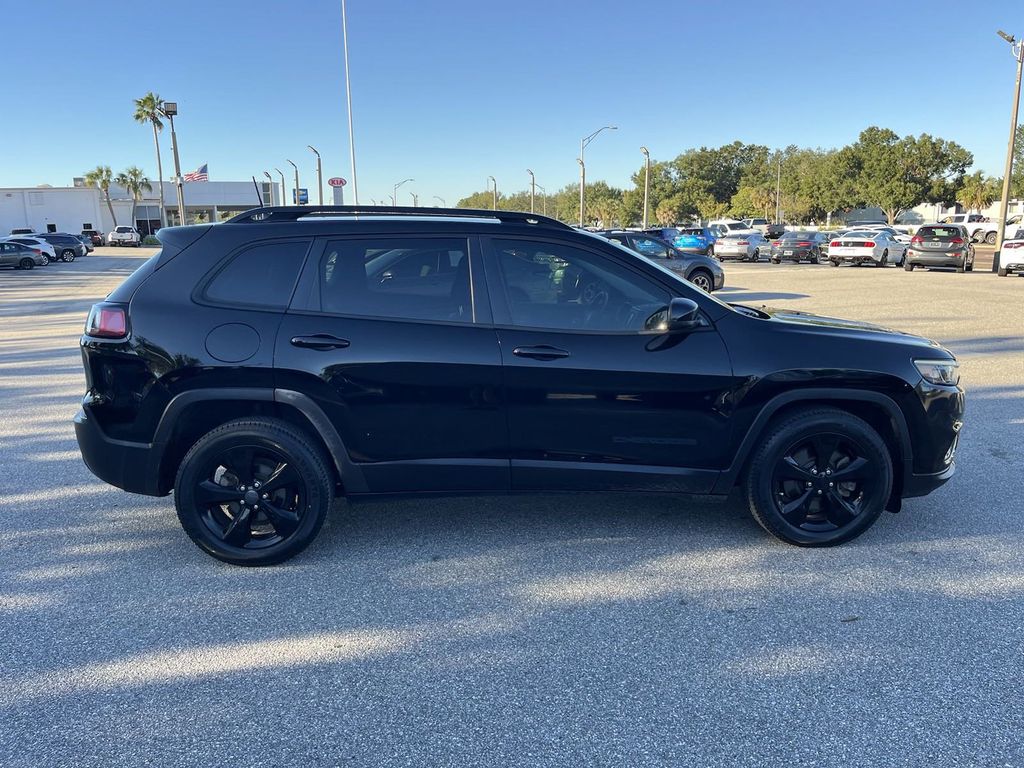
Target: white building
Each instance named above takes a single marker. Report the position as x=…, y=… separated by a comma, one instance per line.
x=72, y=209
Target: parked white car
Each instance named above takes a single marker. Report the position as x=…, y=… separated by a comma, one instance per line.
x=1011, y=256
x=728, y=227
x=34, y=242
x=866, y=246
x=981, y=229
x=125, y=236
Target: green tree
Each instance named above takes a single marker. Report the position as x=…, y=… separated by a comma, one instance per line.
x=102, y=177
x=1017, y=176
x=135, y=183
x=148, y=109
x=978, y=191
x=668, y=212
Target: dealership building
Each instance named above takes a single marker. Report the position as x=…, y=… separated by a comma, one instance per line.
x=78, y=207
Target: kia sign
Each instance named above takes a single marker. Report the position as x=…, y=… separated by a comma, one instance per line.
x=337, y=181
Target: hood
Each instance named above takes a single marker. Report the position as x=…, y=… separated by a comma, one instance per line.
x=825, y=324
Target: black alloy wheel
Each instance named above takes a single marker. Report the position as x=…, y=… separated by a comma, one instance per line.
x=702, y=279
x=253, y=492
x=821, y=478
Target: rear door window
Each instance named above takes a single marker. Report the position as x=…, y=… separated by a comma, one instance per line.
x=940, y=232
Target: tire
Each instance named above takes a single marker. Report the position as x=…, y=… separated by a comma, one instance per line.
x=1001, y=272
x=885, y=258
x=26, y=263
x=67, y=255
x=960, y=268
x=234, y=525
x=702, y=279
x=990, y=238
x=792, y=487
x=46, y=260
x=757, y=255
x=908, y=267
x=834, y=263
x=776, y=261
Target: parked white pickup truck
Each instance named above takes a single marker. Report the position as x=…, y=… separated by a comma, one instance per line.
x=125, y=236
x=982, y=229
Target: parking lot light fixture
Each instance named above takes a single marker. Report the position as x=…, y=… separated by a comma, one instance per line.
x=170, y=109
x=271, y=180
x=1017, y=47
x=394, y=197
x=293, y=165
x=583, y=168
x=647, y=180
x=533, y=189
x=544, y=197
x=284, y=197
x=319, y=177
x=494, y=197
x=443, y=204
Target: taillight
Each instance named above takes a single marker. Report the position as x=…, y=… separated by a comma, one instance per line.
x=37, y=252
x=915, y=239
x=803, y=243
x=107, y=321
x=1013, y=245
x=835, y=244
x=742, y=242
x=957, y=241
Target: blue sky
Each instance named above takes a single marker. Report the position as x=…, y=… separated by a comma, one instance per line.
x=451, y=91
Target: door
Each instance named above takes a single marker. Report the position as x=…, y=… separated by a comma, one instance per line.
x=392, y=338
x=9, y=255
x=597, y=396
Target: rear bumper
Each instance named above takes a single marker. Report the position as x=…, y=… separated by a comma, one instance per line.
x=922, y=485
x=123, y=464
x=936, y=259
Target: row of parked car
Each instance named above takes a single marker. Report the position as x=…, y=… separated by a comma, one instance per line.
x=26, y=251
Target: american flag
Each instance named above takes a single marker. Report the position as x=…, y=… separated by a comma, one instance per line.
x=199, y=174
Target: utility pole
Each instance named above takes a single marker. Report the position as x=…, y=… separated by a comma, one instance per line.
x=647, y=180
x=293, y=165
x=319, y=178
x=170, y=109
x=533, y=189
x=1017, y=47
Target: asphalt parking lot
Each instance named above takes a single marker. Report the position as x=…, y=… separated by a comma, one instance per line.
x=571, y=630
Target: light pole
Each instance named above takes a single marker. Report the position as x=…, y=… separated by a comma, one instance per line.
x=271, y=180
x=348, y=97
x=443, y=204
x=533, y=188
x=170, y=109
x=284, y=197
x=647, y=180
x=1017, y=46
x=494, y=197
x=544, y=197
x=319, y=178
x=415, y=200
x=394, y=197
x=583, y=168
x=373, y=202
x=293, y=165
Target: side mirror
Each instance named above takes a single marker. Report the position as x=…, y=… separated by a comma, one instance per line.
x=683, y=315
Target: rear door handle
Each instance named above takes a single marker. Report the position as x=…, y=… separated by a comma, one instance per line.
x=321, y=341
x=543, y=352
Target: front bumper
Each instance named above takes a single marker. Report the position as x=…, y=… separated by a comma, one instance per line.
x=922, y=485
x=127, y=465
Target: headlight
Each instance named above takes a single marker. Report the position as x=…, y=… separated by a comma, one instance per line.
x=939, y=371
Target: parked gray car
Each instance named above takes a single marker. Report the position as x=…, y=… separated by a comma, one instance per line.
x=743, y=247
x=702, y=271
x=67, y=247
x=20, y=256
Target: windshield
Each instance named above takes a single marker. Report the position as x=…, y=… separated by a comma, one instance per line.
x=859, y=234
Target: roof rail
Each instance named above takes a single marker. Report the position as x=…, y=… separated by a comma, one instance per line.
x=296, y=212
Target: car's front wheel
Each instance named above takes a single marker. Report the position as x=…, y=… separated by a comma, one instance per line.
x=253, y=492
x=67, y=255
x=820, y=477
x=702, y=279
x=26, y=264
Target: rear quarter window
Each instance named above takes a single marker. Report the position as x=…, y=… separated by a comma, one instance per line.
x=261, y=276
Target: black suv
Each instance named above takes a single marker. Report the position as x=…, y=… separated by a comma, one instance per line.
x=261, y=367
x=67, y=247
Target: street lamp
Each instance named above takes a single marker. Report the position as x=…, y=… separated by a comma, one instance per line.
x=319, y=177
x=415, y=200
x=271, y=180
x=647, y=180
x=284, y=197
x=1017, y=47
x=394, y=197
x=583, y=168
x=533, y=188
x=544, y=197
x=778, y=193
x=170, y=109
x=443, y=204
x=293, y=165
x=494, y=198
x=348, y=97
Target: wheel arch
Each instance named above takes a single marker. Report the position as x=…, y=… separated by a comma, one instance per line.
x=878, y=410
x=192, y=414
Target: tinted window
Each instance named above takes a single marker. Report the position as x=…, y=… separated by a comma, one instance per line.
x=551, y=285
x=652, y=248
x=697, y=231
x=938, y=232
x=408, y=278
x=123, y=229
x=260, y=276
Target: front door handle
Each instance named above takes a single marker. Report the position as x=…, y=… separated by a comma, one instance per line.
x=543, y=352
x=319, y=341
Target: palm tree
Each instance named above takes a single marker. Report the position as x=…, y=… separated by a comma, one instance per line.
x=977, y=192
x=148, y=110
x=101, y=176
x=135, y=183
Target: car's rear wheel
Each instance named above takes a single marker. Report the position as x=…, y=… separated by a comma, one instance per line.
x=990, y=238
x=885, y=258
x=776, y=261
x=67, y=255
x=26, y=264
x=820, y=477
x=702, y=279
x=908, y=266
x=1001, y=272
x=253, y=492
x=835, y=262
